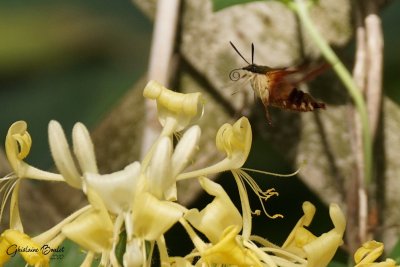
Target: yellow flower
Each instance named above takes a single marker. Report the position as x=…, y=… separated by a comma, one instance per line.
x=13, y=241
x=216, y=216
x=93, y=230
x=175, y=110
x=139, y=199
x=317, y=250
x=221, y=223
x=234, y=140
x=230, y=250
x=18, y=145
x=151, y=217
x=366, y=255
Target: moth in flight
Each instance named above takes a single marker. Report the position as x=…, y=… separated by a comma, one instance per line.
x=277, y=87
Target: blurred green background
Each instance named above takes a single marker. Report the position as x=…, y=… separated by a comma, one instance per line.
x=73, y=60
x=67, y=60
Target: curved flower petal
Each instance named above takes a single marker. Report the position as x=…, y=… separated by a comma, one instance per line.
x=159, y=173
x=18, y=145
x=366, y=255
x=83, y=148
x=321, y=250
x=185, y=149
x=216, y=216
x=62, y=155
x=235, y=140
x=152, y=217
x=133, y=256
x=16, y=239
x=93, y=230
x=318, y=250
x=369, y=252
x=116, y=189
x=300, y=236
x=4, y=254
x=182, y=108
x=230, y=251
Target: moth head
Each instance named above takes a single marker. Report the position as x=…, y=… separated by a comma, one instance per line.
x=234, y=75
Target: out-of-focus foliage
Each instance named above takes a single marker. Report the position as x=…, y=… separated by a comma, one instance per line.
x=70, y=61
x=221, y=4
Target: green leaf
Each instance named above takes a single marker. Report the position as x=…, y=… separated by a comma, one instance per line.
x=121, y=247
x=221, y=4
x=395, y=253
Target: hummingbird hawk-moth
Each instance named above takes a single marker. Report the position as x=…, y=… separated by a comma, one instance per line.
x=276, y=87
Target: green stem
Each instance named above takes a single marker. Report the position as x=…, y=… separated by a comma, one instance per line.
x=344, y=75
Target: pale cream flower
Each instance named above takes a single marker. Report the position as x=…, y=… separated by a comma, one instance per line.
x=64, y=160
x=175, y=110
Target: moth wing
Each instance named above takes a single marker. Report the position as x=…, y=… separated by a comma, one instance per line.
x=284, y=94
x=279, y=84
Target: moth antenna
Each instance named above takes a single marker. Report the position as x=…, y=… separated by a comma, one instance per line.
x=237, y=51
x=252, y=53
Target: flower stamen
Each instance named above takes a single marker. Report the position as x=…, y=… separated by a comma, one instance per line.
x=8, y=184
x=263, y=196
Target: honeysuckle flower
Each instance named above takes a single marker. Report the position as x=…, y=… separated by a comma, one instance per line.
x=317, y=250
x=147, y=212
x=230, y=250
x=158, y=173
x=216, y=216
x=135, y=254
x=234, y=140
x=220, y=222
x=18, y=145
x=83, y=151
x=175, y=110
x=13, y=241
x=366, y=255
x=116, y=189
x=138, y=201
x=92, y=230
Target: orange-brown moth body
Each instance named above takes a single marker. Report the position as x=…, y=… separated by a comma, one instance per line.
x=275, y=89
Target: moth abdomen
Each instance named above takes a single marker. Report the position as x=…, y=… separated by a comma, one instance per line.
x=300, y=101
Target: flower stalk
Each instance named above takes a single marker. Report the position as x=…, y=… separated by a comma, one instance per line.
x=300, y=7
